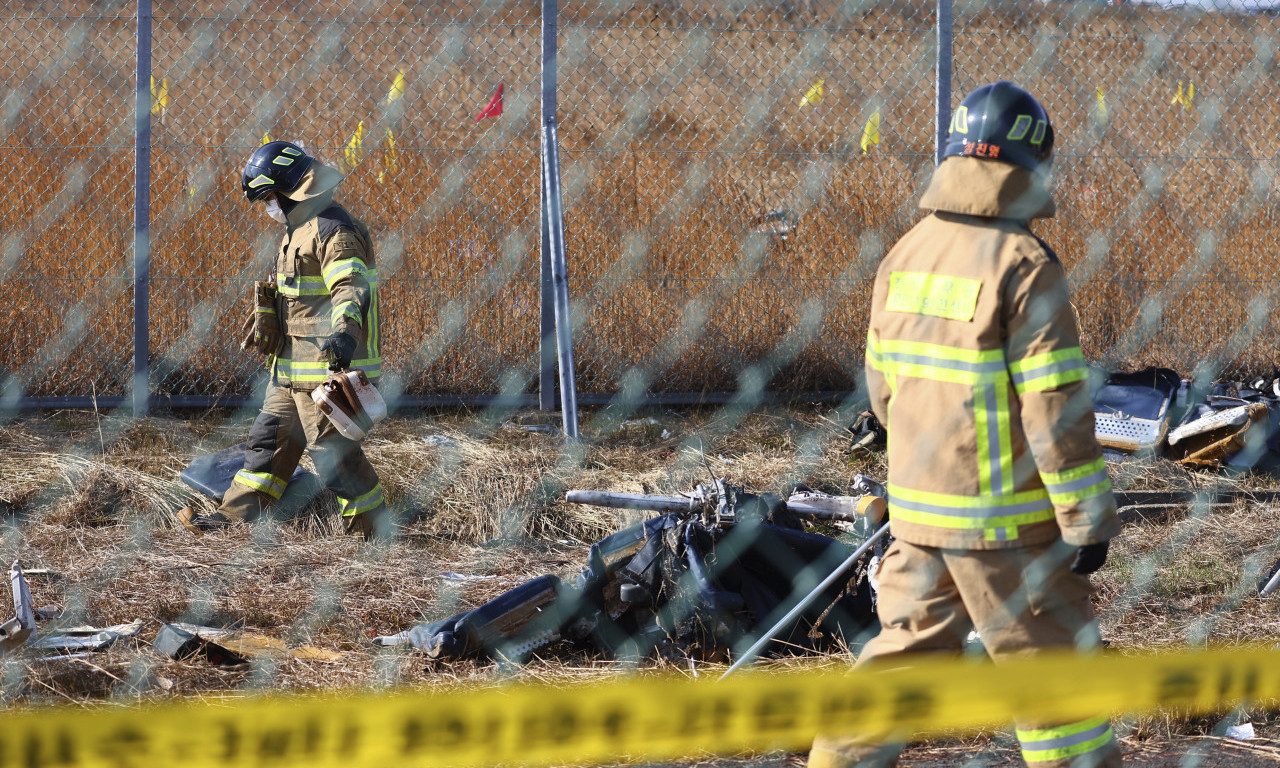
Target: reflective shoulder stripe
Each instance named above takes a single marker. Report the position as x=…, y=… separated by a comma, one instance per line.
x=924, y=293
x=1050, y=744
x=1048, y=371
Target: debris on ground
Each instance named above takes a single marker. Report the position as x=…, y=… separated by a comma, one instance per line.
x=229, y=647
x=1236, y=425
x=85, y=638
x=699, y=581
x=18, y=631
x=211, y=475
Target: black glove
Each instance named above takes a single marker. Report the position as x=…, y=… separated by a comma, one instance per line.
x=338, y=350
x=1090, y=558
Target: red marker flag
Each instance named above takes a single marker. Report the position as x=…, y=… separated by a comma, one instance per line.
x=494, y=107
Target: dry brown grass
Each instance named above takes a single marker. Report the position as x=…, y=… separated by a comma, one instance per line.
x=89, y=499
x=650, y=121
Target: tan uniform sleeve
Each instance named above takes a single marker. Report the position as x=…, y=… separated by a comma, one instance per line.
x=878, y=385
x=344, y=266
x=1050, y=378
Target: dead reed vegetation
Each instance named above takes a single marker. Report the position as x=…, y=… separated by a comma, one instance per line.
x=86, y=501
x=678, y=124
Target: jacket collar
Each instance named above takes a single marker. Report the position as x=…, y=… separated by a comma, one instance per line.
x=308, y=209
x=991, y=188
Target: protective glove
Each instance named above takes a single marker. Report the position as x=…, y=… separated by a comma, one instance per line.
x=338, y=350
x=1090, y=558
x=265, y=336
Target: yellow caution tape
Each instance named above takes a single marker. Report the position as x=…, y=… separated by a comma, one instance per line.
x=631, y=719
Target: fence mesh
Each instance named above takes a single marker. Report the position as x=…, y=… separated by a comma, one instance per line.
x=733, y=173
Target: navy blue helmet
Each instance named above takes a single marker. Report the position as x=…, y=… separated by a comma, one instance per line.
x=277, y=166
x=1000, y=121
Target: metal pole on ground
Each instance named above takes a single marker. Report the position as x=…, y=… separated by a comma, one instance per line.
x=751, y=653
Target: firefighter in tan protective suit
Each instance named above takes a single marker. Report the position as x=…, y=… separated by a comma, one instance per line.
x=999, y=499
x=318, y=313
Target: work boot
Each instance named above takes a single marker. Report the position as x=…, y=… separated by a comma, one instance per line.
x=368, y=526
x=199, y=522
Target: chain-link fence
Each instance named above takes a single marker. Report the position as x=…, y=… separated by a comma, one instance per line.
x=732, y=175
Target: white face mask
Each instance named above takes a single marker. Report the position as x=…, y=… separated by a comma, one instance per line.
x=275, y=212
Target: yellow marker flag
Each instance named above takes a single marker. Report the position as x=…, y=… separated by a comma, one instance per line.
x=397, y=88
x=814, y=94
x=1187, y=99
x=871, y=132
x=388, y=158
x=1100, y=113
x=355, y=147
x=159, y=96
x=266, y=138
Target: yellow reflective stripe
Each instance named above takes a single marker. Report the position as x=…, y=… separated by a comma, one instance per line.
x=998, y=517
x=373, y=337
x=1049, y=370
x=941, y=363
x=1082, y=483
x=346, y=309
x=1004, y=434
x=956, y=501
x=301, y=285
x=262, y=481
x=969, y=512
x=265, y=311
x=1050, y=744
x=362, y=503
x=316, y=372
x=943, y=352
x=982, y=427
x=924, y=293
x=994, y=527
x=873, y=352
x=340, y=269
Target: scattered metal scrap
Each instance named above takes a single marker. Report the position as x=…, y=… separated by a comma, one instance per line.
x=1235, y=425
x=228, y=647
x=18, y=631
x=76, y=639
x=702, y=579
x=21, y=632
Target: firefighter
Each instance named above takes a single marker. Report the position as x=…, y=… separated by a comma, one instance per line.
x=999, y=499
x=317, y=313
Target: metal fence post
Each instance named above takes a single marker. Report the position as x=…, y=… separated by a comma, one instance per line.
x=553, y=226
x=141, y=387
x=943, y=84
x=547, y=320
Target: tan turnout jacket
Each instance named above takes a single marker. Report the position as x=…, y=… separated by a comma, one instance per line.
x=974, y=367
x=327, y=283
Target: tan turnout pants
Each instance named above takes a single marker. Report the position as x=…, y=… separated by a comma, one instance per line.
x=289, y=423
x=1019, y=600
